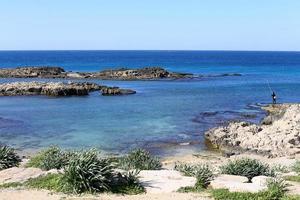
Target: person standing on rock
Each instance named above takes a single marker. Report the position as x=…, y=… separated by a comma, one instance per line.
x=274, y=97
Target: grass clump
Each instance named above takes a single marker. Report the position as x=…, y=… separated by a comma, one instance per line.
x=247, y=167
x=296, y=167
x=11, y=185
x=86, y=172
x=8, y=158
x=202, y=173
x=51, y=158
x=276, y=191
x=139, y=159
x=292, y=178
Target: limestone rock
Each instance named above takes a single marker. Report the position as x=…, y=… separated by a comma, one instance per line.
x=16, y=174
x=281, y=137
x=237, y=184
x=164, y=181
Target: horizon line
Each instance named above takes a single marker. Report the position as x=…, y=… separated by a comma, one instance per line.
x=2, y=50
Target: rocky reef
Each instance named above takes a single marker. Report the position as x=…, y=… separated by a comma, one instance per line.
x=33, y=72
x=277, y=135
x=147, y=73
x=58, y=89
x=111, y=91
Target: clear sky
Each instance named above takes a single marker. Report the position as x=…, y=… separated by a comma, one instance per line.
x=150, y=24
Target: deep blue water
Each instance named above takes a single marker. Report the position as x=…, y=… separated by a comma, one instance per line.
x=162, y=115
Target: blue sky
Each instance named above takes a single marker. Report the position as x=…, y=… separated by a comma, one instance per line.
x=150, y=24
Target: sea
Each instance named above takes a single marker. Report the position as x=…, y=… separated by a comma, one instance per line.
x=166, y=117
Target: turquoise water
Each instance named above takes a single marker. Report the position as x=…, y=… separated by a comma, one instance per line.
x=165, y=117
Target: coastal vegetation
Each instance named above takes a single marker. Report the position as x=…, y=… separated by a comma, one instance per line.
x=50, y=158
x=276, y=191
x=247, y=167
x=202, y=172
x=8, y=157
x=83, y=172
x=139, y=159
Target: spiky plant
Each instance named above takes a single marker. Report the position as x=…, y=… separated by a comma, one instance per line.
x=141, y=160
x=8, y=157
x=86, y=172
x=247, y=167
x=202, y=172
x=51, y=158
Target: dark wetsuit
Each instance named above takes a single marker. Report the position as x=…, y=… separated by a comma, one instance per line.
x=274, y=97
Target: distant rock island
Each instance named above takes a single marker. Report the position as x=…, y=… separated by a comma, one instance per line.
x=58, y=89
x=147, y=73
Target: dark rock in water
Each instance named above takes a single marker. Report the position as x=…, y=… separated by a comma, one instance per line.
x=47, y=88
x=147, y=73
x=32, y=72
x=111, y=91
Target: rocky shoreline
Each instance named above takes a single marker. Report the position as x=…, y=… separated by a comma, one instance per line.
x=58, y=89
x=277, y=135
x=147, y=73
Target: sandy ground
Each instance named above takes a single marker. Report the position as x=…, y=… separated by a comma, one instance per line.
x=15, y=194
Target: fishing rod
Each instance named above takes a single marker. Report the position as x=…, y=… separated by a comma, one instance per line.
x=271, y=90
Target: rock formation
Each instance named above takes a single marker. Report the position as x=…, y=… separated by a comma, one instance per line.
x=33, y=72
x=146, y=73
x=57, y=89
x=279, y=137
x=109, y=91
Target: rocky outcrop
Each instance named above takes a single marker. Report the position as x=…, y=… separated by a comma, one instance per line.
x=279, y=137
x=33, y=72
x=147, y=73
x=57, y=89
x=110, y=91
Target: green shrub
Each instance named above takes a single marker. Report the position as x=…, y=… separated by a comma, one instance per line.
x=8, y=158
x=139, y=159
x=247, y=167
x=296, y=166
x=280, y=168
x=51, y=158
x=127, y=183
x=276, y=189
x=202, y=173
x=86, y=172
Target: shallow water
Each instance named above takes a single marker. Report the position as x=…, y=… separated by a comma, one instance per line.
x=162, y=115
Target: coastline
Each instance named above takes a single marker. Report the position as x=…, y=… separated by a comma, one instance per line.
x=166, y=178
